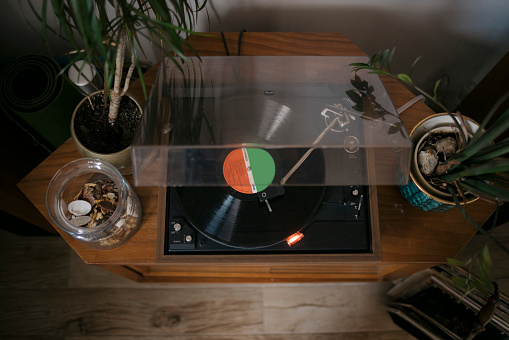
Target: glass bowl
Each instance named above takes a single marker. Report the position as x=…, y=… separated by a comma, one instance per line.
x=113, y=212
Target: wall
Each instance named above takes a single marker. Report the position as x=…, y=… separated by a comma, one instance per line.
x=463, y=39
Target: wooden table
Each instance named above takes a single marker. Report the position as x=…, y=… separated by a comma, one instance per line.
x=409, y=239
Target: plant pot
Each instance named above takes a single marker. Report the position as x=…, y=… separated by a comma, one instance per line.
x=92, y=202
x=418, y=191
x=120, y=159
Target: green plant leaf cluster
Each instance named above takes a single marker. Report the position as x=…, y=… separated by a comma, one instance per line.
x=482, y=167
x=93, y=29
x=478, y=269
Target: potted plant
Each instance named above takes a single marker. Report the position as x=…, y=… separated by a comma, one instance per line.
x=106, y=34
x=474, y=168
x=475, y=165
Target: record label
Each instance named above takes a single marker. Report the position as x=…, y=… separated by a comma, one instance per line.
x=249, y=170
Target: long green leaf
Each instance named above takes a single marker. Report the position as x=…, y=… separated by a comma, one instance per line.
x=435, y=88
x=499, y=127
x=389, y=61
x=493, y=166
x=413, y=65
x=489, y=191
x=484, y=267
x=383, y=58
x=485, y=258
x=491, y=152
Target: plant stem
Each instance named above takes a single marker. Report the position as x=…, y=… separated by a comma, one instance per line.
x=129, y=74
x=115, y=94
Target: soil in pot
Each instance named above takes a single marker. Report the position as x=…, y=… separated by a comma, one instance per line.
x=95, y=132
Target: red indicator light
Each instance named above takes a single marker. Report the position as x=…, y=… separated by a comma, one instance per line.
x=294, y=238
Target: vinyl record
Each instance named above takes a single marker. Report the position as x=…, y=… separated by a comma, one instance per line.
x=258, y=119
x=241, y=220
x=228, y=214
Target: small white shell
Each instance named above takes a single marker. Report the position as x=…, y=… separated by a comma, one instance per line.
x=428, y=160
x=79, y=207
x=80, y=220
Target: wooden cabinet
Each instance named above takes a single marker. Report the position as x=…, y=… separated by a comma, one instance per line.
x=408, y=239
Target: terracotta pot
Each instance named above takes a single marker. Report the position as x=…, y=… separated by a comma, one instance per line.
x=419, y=192
x=121, y=159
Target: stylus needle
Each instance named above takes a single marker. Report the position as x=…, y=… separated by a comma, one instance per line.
x=268, y=206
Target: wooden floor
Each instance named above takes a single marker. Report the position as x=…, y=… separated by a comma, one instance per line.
x=47, y=292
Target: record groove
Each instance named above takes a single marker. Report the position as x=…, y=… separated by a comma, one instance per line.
x=240, y=220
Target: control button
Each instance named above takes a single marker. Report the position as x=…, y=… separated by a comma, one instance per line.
x=355, y=192
x=189, y=238
x=177, y=227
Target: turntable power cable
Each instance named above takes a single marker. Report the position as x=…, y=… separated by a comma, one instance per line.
x=241, y=34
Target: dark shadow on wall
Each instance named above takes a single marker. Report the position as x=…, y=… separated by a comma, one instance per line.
x=414, y=30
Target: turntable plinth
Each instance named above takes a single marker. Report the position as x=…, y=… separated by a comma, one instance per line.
x=407, y=239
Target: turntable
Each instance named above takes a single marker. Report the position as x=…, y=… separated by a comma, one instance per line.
x=269, y=154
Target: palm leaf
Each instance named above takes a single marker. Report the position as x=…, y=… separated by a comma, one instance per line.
x=489, y=167
x=489, y=191
x=491, y=152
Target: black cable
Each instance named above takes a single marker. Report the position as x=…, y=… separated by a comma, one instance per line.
x=240, y=40
x=225, y=44
x=241, y=34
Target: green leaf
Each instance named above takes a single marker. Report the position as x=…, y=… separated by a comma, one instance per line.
x=500, y=126
x=389, y=61
x=405, y=78
x=483, y=269
x=483, y=189
x=394, y=128
x=413, y=65
x=491, y=152
x=488, y=167
x=485, y=258
x=435, y=88
x=459, y=282
x=475, y=284
x=92, y=30
x=374, y=59
x=457, y=263
x=382, y=59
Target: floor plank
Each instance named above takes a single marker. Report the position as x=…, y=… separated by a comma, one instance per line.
x=390, y=335
x=47, y=292
x=131, y=312
x=333, y=309
x=34, y=266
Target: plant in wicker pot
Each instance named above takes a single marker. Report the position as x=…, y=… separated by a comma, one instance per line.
x=106, y=34
x=455, y=159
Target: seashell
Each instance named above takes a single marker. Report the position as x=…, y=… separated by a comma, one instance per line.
x=81, y=220
x=427, y=160
x=79, y=207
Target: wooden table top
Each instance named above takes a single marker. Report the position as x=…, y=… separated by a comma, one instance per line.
x=407, y=234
